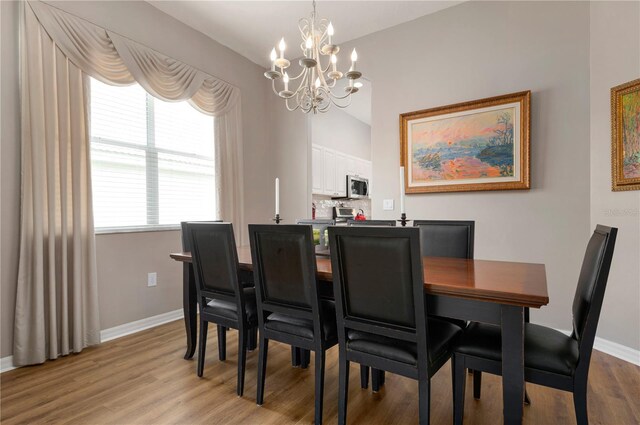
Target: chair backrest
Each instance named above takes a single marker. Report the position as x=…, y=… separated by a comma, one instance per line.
x=284, y=268
x=592, y=283
x=389, y=223
x=215, y=261
x=186, y=239
x=378, y=281
x=446, y=238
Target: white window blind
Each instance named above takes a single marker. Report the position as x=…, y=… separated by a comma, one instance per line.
x=152, y=161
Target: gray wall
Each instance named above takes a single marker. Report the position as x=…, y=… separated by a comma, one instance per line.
x=483, y=49
x=615, y=59
x=340, y=131
x=125, y=259
x=290, y=139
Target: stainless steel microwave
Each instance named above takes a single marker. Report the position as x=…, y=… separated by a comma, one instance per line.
x=357, y=187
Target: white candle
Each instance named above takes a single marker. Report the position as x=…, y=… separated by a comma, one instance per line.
x=277, y=196
x=354, y=58
x=273, y=58
x=402, y=211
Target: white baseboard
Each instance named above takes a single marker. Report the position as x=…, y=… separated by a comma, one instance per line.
x=140, y=325
x=614, y=349
x=6, y=364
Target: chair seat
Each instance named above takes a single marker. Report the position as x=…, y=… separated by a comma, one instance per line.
x=545, y=349
x=304, y=327
x=441, y=336
x=229, y=309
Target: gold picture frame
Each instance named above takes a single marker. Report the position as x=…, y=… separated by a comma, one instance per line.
x=625, y=160
x=451, y=149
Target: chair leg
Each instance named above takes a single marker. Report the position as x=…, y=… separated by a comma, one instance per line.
x=343, y=389
x=202, y=346
x=424, y=399
x=376, y=375
x=243, y=338
x=253, y=339
x=477, y=384
x=295, y=356
x=459, y=379
x=319, y=357
x=364, y=376
x=305, y=358
x=222, y=343
x=262, y=369
x=580, y=403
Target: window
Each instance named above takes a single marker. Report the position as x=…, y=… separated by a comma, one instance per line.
x=152, y=161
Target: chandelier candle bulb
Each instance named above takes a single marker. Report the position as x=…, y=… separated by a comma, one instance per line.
x=282, y=46
x=334, y=60
x=286, y=81
x=354, y=59
x=330, y=32
x=273, y=58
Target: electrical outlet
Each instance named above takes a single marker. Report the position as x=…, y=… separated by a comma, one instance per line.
x=152, y=279
x=387, y=204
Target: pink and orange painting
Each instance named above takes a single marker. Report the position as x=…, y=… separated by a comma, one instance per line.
x=478, y=145
x=470, y=146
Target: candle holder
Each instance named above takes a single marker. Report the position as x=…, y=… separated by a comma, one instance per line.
x=403, y=220
x=277, y=219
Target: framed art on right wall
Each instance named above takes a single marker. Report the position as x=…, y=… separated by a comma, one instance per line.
x=625, y=136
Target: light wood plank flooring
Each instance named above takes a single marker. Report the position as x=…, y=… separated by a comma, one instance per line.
x=143, y=379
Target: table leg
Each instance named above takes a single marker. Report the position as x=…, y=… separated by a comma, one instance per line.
x=190, y=308
x=512, y=363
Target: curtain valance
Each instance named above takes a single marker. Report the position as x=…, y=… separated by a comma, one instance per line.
x=114, y=59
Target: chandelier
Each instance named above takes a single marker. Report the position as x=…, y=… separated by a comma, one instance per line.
x=315, y=82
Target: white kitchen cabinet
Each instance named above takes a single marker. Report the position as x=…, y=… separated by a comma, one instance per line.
x=329, y=166
x=317, y=170
x=341, y=174
x=330, y=169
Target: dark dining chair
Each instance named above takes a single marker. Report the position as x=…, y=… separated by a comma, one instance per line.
x=388, y=223
x=551, y=358
x=221, y=298
x=378, y=284
x=438, y=238
x=246, y=279
x=289, y=307
x=446, y=238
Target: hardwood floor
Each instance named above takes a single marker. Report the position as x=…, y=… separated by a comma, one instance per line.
x=143, y=379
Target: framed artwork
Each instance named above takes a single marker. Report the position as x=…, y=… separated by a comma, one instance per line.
x=625, y=136
x=470, y=146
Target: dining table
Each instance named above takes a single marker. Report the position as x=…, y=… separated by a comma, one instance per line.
x=495, y=292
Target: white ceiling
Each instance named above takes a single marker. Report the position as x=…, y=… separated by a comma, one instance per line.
x=253, y=28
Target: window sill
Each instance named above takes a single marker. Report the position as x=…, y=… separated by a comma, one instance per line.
x=137, y=229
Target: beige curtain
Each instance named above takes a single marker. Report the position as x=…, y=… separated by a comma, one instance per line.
x=117, y=60
x=56, y=303
x=57, y=297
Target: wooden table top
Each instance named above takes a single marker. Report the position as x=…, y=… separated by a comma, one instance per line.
x=504, y=282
